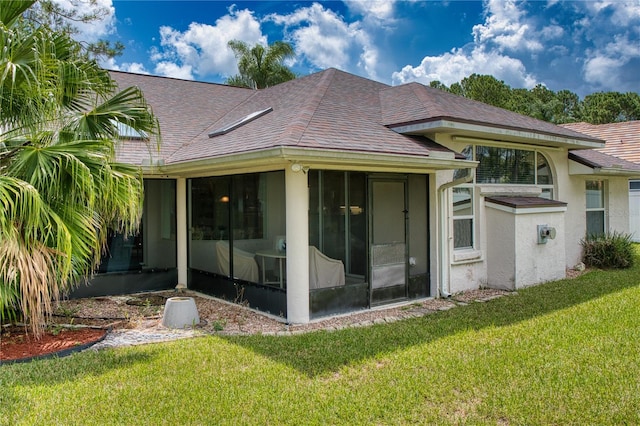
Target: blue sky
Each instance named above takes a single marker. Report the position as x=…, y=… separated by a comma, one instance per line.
x=582, y=46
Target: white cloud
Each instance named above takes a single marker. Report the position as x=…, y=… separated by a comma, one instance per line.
x=134, y=67
x=623, y=12
x=552, y=32
x=170, y=69
x=325, y=39
x=457, y=64
x=604, y=67
x=506, y=27
x=380, y=10
x=202, y=49
x=94, y=30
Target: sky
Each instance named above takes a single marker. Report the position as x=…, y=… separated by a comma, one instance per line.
x=581, y=46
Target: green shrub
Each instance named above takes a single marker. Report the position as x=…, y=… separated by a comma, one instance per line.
x=610, y=250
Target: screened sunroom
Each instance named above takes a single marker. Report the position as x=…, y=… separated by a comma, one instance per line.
x=361, y=250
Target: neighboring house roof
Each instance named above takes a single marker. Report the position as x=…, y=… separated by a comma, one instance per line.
x=327, y=117
x=622, y=139
x=621, y=153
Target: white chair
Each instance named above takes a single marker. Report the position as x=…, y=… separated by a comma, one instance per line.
x=324, y=272
x=245, y=266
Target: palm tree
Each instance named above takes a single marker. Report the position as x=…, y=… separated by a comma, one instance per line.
x=60, y=188
x=261, y=66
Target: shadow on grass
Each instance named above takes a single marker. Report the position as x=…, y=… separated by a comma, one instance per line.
x=321, y=352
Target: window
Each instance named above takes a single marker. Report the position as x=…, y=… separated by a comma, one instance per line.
x=222, y=207
x=509, y=166
x=153, y=247
x=505, y=165
x=595, y=207
x=240, y=122
x=338, y=217
x=462, y=217
x=499, y=166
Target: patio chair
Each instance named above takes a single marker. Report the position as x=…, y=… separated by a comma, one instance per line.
x=324, y=272
x=245, y=266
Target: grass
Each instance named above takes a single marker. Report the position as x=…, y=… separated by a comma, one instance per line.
x=564, y=352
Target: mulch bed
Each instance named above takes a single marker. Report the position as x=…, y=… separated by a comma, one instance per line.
x=17, y=343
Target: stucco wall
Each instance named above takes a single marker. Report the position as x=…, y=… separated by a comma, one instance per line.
x=537, y=263
x=470, y=269
x=573, y=192
x=501, y=249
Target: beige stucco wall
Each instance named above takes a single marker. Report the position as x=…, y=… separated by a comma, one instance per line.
x=461, y=270
x=515, y=258
x=572, y=191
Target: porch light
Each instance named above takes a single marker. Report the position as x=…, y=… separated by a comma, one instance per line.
x=297, y=167
x=224, y=199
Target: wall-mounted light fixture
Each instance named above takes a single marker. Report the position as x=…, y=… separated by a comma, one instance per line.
x=297, y=167
x=224, y=199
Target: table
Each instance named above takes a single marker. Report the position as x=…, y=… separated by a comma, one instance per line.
x=280, y=257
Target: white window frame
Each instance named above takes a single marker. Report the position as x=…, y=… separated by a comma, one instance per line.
x=603, y=208
x=471, y=216
x=548, y=191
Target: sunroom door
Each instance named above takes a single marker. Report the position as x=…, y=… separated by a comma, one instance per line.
x=388, y=242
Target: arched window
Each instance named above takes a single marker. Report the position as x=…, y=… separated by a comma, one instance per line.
x=499, y=166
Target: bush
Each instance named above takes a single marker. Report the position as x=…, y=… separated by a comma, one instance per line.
x=611, y=250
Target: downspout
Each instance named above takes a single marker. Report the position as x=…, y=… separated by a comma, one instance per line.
x=445, y=279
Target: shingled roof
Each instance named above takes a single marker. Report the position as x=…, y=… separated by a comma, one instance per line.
x=414, y=103
x=331, y=112
x=184, y=108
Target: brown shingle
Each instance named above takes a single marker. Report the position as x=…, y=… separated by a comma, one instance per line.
x=415, y=103
x=185, y=108
x=328, y=110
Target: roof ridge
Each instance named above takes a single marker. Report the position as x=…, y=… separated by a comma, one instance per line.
x=309, y=108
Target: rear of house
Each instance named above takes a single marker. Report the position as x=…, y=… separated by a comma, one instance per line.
x=333, y=193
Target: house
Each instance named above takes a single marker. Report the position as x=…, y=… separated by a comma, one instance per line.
x=622, y=140
x=333, y=193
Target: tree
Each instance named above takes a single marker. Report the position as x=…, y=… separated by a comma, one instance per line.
x=259, y=66
x=60, y=188
x=485, y=88
x=610, y=107
x=64, y=19
x=542, y=103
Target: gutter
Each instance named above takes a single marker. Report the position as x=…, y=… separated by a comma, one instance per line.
x=445, y=278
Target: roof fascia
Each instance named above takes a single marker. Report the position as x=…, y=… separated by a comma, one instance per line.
x=501, y=133
x=578, y=168
x=278, y=158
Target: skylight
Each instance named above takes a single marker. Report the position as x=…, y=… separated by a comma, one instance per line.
x=127, y=132
x=240, y=122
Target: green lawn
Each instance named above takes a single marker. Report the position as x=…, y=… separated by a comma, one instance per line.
x=565, y=352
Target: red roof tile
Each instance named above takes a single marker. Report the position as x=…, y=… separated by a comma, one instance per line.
x=622, y=139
